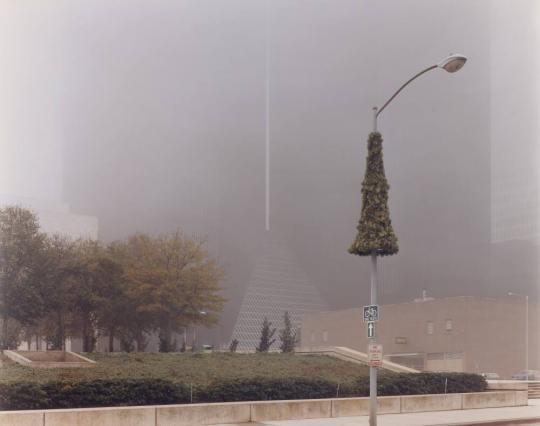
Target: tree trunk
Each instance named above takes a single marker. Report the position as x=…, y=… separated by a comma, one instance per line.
x=5, y=333
x=141, y=344
x=167, y=336
x=60, y=333
x=85, y=340
x=111, y=339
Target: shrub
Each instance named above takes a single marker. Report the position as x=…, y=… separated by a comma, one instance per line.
x=417, y=383
x=264, y=388
x=22, y=396
x=122, y=392
x=96, y=393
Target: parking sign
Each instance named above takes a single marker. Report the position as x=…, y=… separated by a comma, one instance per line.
x=375, y=354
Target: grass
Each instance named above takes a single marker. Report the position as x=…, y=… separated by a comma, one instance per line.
x=198, y=369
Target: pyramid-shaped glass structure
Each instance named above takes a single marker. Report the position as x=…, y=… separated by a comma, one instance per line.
x=277, y=285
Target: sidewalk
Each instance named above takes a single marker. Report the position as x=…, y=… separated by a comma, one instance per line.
x=434, y=418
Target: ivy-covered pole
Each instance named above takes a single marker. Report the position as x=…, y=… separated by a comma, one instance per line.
x=375, y=235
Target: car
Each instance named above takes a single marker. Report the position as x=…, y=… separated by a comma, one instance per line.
x=527, y=374
x=490, y=376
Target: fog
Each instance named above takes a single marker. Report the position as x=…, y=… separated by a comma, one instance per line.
x=151, y=116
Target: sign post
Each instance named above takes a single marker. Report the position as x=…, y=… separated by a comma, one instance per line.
x=372, y=312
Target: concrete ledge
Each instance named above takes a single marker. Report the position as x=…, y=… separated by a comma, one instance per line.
x=49, y=359
x=418, y=403
x=291, y=410
x=347, y=407
x=507, y=385
x=389, y=404
x=110, y=416
x=522, y=398
x=22, y=418
x=489, y=399
x=258, y=411
x=203, y=414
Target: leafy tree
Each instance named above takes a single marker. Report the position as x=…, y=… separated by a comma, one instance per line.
x=57, y=287
x=135, y=322
x=375, y=232
x=111, y=313
x=287, y=335
x=234, y=345
x=173, y=282
x=96, y=278
x=20, y=244
x=267, y=333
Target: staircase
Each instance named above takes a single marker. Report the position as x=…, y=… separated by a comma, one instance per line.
x=352, y=355
x=534, y=390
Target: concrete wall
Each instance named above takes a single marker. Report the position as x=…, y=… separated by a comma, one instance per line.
x=473, y=344
x=243, y=412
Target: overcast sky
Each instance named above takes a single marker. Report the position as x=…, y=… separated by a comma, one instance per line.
x=154, y=112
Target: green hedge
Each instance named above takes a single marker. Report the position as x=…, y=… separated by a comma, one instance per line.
x=95, y=393
x=264, y=388
x=417, y=383
x=122, y=392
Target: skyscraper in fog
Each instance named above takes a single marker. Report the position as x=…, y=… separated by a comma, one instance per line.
x=515, y=94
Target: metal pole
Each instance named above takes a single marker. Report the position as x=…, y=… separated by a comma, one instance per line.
x=373, y=370
x=373, y=301
x=527, y=337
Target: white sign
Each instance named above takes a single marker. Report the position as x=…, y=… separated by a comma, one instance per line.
x=375, y=355
x=371, y=313
x=370, y=330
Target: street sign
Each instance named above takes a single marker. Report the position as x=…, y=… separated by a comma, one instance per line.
x=371, y=313
x=370, y=330
x=375, y=355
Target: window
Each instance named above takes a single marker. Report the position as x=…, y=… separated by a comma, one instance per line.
x=435, y=356
x=325, y=336
x=430, y=327
x=449, y=325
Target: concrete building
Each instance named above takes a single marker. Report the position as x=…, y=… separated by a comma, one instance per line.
x=466, y=334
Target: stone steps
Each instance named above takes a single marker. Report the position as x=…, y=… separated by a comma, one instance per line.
x=534, y=390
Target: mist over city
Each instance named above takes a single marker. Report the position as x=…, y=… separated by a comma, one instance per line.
x=137, y=116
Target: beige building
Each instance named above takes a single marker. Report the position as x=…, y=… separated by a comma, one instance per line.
x=451, y=334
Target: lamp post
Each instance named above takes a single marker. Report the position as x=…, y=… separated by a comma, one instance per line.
x=526, y=297
x=450, y=64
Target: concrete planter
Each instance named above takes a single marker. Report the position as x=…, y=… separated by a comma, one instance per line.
x=49, y=359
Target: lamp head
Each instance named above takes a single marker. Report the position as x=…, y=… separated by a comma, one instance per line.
x=452, y=63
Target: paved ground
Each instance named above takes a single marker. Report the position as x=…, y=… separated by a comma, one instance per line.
x=484, y=416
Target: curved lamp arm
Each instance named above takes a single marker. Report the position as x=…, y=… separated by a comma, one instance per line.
x=451, y=64
x=403, y=87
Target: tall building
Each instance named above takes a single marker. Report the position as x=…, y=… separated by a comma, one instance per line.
x=277, y=285
x=31, y=119
x=515, y=114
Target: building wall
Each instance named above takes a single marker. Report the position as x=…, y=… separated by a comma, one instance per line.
x=486, y=335
x=514, y=111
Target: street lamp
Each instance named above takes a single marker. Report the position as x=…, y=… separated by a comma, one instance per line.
x=526, y=297
x=451, y=64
